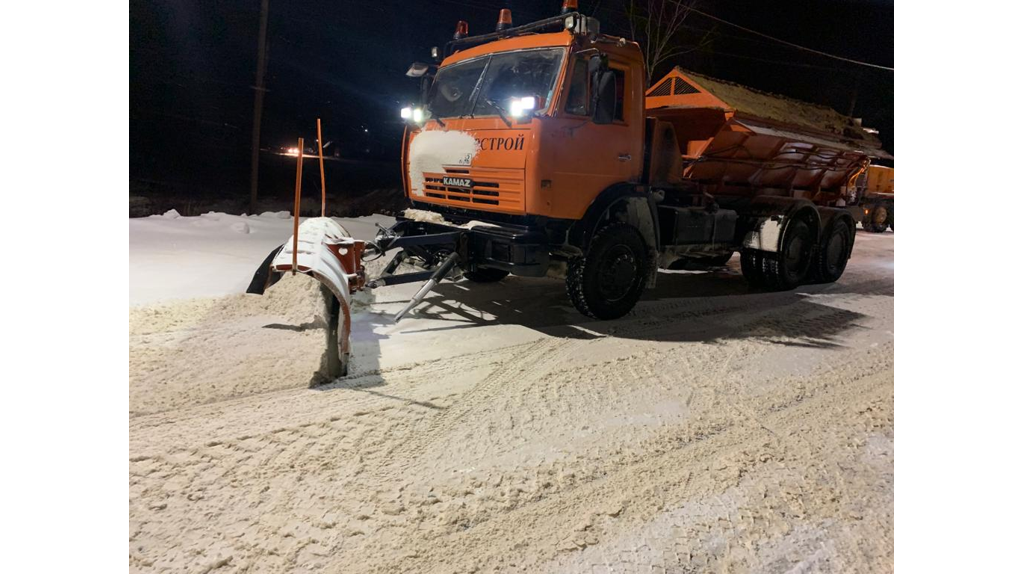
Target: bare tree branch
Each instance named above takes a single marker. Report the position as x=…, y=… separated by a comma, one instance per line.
x=656, y=26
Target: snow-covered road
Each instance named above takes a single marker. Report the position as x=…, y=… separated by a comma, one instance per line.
x=713, y=429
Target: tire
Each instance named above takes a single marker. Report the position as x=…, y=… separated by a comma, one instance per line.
x=485, y=275
x=833, y=253
x=334, y=363
x=608, y=281
x=751, y=265
x=791, y=266
x=877, y=219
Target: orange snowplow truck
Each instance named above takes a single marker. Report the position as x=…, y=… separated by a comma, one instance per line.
x=537, y=150
x=541, y=147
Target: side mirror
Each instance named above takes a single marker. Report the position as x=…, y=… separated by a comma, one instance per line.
x=604, y=98
x=421, y=71
x=418, y=70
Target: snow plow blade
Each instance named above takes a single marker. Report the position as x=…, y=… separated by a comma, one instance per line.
x=325, y=251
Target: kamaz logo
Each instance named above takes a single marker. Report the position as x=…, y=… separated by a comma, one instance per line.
x=463, y=182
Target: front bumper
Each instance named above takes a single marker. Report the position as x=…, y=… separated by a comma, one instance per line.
x=520, y=250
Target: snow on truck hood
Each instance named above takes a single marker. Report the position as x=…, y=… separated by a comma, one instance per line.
x=431, y=150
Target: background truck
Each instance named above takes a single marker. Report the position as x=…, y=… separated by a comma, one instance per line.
x=874, y=192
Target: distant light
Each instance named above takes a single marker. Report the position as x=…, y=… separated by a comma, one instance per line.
x=366, y=131
x=293, y=151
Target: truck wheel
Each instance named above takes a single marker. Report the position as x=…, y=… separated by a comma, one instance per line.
x=607, y=282
x=790, y=266
x=833, y=253
x=877, y=219
x=485, y=275
x=751, y=265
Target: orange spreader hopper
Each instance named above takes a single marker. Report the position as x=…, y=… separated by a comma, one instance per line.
x=733, y=138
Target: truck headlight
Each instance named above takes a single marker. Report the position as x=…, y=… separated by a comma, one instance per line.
x=520, y=106
x=406, y=113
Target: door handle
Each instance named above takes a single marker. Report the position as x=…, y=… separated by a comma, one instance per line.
x=625, y=157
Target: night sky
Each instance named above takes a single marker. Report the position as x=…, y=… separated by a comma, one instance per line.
x=193, y=62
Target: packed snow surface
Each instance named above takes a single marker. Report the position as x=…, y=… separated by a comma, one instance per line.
x=714, y=429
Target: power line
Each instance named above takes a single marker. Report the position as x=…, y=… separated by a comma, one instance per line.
x=792, y=45
x=780, y=62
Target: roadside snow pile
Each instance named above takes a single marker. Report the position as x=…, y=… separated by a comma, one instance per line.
x=173, y=257
x=171, y=214
x=262, y=343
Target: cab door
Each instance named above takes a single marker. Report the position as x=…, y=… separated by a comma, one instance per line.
x=592, y=157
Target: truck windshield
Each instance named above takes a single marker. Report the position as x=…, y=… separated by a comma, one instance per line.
x=464, y=89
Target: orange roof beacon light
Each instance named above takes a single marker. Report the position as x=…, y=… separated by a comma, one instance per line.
x=570, y=6
x=504, y=20
x=461, y=30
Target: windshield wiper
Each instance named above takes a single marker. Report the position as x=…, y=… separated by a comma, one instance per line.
x=438, y=120
x=501, y=111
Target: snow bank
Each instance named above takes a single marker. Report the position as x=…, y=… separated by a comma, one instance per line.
x=173, y=257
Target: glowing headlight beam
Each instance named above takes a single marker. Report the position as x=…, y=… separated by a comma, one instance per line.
x=519, y=106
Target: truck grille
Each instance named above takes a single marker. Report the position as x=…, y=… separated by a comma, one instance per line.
x=493, y=189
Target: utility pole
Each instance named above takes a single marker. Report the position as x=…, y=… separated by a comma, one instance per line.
x=257, y=110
